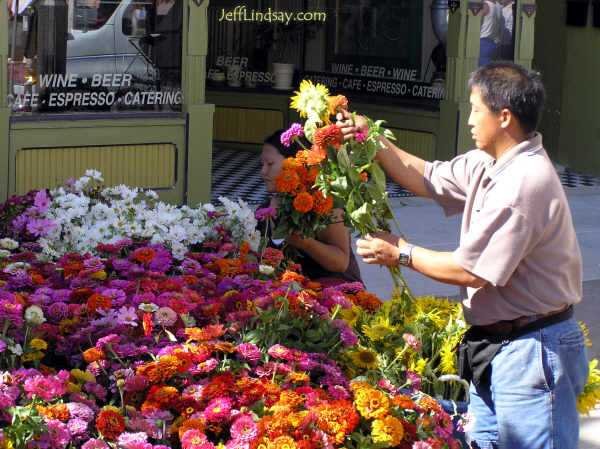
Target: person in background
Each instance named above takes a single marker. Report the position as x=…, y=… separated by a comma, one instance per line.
x=518, y=263
x=506, y=38
x=328, y=258
x=491, y=29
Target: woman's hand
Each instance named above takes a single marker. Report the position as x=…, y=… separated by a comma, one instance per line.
x=381, y=248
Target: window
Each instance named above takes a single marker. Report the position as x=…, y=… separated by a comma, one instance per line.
x=95, y=56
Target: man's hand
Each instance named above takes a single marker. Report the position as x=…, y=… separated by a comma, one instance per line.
x=349, y=127
x=380, y=248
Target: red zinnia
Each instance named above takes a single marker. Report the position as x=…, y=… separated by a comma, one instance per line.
x=303, y=202
x=110, y=424
x=144, y=255
x=98, y=301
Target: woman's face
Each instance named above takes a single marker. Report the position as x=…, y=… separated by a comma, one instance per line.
x=271, y=166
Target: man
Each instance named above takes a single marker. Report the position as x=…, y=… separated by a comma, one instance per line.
x=518, y=262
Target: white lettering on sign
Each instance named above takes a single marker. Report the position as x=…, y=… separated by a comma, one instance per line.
x=222, y=60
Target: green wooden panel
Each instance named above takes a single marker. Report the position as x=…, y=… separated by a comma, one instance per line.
x=199, y=157
x=100, y=133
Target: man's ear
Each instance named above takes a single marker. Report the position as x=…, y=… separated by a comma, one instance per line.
x=506, y=118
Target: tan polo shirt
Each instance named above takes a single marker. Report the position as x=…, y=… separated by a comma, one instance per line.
x=517, y=232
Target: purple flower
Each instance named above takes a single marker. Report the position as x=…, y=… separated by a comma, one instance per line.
x=80, y=411
x=41, y=201
x=94, y=263
x=415, y=381
x=2, y=346
x=78, y=429
x=58, y=434
x=348, y=337
x=40, y=226
x=57, y=312
x=120, y=264
x=96, y=389
x=294, y=131
x=264, y=213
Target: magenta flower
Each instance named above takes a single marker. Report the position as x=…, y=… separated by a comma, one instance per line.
x=295, y=131
x=244, y=429
x=412, y=341
x=94, y=443
x=250, y=352
x=264, y=213
x=361, y=136
x=279, y=352
x=193, y=439
x=132, y=440
x=415, y=381
x=47, y=387
x=39, y=226
x=136, y=383
x=237, y=444
x=58, y=434
x=218, y=409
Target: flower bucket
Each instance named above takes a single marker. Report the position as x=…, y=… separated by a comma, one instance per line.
x=284, y=73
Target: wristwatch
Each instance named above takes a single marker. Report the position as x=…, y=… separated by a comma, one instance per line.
x=405, y=256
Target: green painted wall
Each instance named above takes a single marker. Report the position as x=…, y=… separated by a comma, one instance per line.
x=569, y=59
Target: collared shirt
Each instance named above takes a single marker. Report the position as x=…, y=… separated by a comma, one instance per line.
x=517, y=231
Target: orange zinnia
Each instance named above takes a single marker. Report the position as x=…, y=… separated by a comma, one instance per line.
x=303, y=202
x=144, y=255
x=337, y=103
x=363, y=176
x=315, y=156
x=328, y=136
x=98, y=301
x=287, y=181
x=290, y=164
x=93, y=355
x=322, y=204
x=311, y=176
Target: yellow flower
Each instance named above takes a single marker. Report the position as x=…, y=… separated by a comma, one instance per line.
x=365, y=358
x=38, y=344
x=74, y=388
x=31, y=356
x=351, y=315
x=100, y=275
x=586, y=332
x=388, y=429
x=82, y=376
x=311, y=101
x=447, y=356
x=6, y=443
x=419, y=366
x=371, y=403
x=376, y=332
x=590, y=396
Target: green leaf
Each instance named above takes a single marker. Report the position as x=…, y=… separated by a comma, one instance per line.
x=170, y=335
x=378, y=176
x=343, y=159
x=362, y=215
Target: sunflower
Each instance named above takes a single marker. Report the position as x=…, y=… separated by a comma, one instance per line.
x=586, y=332
x=365, y=358
x=351, y=315
x=376, y=331
x=311, y=101
x=447, y=356
x=590, y=396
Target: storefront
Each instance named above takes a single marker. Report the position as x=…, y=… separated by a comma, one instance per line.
x=130, y=87
x=115, y=85
x=403, y=61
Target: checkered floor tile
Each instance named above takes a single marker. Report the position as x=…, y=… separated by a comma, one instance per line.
x=236, y=174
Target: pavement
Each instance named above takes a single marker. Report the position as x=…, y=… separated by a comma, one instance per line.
x=423, y=222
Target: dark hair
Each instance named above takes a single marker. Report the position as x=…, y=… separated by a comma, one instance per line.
x=506, y=85
x=275, y=141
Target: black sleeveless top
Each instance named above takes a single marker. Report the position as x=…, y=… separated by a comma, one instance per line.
x=311, y=267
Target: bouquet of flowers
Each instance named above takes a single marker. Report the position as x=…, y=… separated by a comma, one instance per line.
x=346, y=171
x=302, y=207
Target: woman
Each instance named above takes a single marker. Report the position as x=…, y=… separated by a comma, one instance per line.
x=328, y=258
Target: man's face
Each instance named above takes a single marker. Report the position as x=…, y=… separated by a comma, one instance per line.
x=485, y=125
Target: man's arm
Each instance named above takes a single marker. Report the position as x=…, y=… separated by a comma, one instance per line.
x=404, y=168
x=384, y=249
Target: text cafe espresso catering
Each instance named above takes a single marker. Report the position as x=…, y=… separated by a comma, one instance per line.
x=117, y=90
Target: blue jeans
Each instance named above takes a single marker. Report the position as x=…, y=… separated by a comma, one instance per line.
x=531, y=401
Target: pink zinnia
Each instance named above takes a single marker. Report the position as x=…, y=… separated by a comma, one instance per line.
x=132, y=440
x=136, y=383
x=205, y=367
x=295, y=131
x=279, y=352
x=264, y=213
x=244, y=429
x=94, y=443
x=361, y=136
x=47, y=387
x=165, y=316
x=412, y=341
x=250, y=352
x=57, y=433
x=420, y=445
x=237, y=444
x=193, y=439
x=218, y=409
